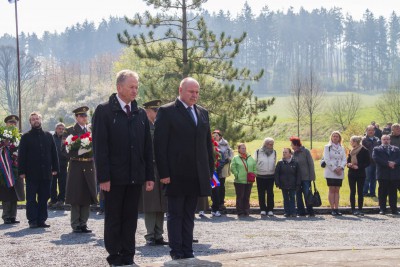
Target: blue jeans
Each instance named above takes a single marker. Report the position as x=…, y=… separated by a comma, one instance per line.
x=289, y=200
x=304, y=189
x=37, y=195
x=370, y=181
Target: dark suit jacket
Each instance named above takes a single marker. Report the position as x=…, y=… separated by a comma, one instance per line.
x=183, y=150
x=122, y=146
x=381, y=158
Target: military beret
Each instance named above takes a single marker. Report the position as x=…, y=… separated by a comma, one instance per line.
x=81, y=110
x=152, y=104
x=11, y=118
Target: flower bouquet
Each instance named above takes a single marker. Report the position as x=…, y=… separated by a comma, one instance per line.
x=9, y=142
x=82, y=144
x=217, y=155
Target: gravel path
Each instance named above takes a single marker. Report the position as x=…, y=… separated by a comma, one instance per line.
x=58, y=246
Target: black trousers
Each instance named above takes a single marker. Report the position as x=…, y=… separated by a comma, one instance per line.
x=215, y=199
x=356, y=184
x=180, y=224
x=265, y=185
x=243, y=192
x=387, y=188
x=37, y=195
x=120, y=222
x=60, y=180
x=221, y=191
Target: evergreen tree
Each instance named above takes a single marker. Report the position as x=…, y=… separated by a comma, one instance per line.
x=189, y=48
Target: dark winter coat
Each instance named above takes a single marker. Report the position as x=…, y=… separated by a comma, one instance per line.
x=122, y=145
x=287, y=175
x=183, y=150
x=381, y=157
x=370, y=144
x=363, y=161
x=37, y=155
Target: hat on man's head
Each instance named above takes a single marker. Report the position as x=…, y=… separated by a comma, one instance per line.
x=152, y=104
x=81, y=111
x=11, y=118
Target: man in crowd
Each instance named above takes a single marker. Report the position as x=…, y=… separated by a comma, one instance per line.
x=123, y=154
x=10, y=195
x=370, y=141
x=154, y=203
x=58, y=198
x=395, y=139
x=387, y=159
x=37, y=164
x=185, y=162
x=387, y=129
x=81, y=180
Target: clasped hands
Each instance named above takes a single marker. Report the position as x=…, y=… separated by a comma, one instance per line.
x=106, y=186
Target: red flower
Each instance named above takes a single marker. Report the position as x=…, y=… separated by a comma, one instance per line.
x=74, y=138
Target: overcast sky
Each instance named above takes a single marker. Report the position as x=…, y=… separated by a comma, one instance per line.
x=55, y=15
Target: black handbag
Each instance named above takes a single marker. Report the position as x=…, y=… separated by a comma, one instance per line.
x=323, y=163
x=313, y=199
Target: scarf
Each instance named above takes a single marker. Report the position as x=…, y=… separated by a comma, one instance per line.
x=243, y=155
x=353, y=154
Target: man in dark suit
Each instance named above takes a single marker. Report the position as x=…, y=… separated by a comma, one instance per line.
x=185, y=162
x=123, y=153
x=37, y=163
x=369, y=142
x=81, y=181
x=387, y=159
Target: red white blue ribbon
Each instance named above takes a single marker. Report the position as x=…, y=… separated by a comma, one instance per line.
x=214, y=181
x=6, y=167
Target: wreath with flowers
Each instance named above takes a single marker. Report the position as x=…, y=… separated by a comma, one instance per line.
x=10, y=138
x=82, y=144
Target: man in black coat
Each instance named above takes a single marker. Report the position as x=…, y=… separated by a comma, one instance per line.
x=387, y=159
x=369, y=142
x=58, y=198
x=123, y=155
x=185, y=162
x=37, y=163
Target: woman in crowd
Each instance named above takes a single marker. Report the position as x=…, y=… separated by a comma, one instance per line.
x=287, y=178
x=307, y=173
x=266, y=160
x=242, y=164
x=223, y=171
x=357, y=161
x=335, y=158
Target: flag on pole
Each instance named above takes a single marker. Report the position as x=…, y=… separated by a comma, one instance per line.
x=214, y=181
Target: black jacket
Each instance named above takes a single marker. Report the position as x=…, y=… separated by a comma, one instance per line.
x=369, y=144
x=287, y=175
x=381, y=157
x=183, y=150
x=363, y=161
x=122, y=146
x=37, y=155
x=62, y=159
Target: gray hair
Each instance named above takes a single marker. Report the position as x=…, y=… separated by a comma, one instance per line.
x=396, y=125
x=267, y=140
x=60, y=124
x=188, y=79
x=123, y=74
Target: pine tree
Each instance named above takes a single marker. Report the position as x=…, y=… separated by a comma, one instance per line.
x=189, y=48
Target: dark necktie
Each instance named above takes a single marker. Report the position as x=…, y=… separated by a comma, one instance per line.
x=84, y=130
x=189, y=109
x=128, y=110
x=388, y=150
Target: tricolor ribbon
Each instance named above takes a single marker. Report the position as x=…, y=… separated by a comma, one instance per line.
x=6, y=167
x=214, y=181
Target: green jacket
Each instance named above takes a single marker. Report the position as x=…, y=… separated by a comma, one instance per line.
x=238, y=169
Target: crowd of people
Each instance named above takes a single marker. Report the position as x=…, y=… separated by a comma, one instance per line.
x=159, y=160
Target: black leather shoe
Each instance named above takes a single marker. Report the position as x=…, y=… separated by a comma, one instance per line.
x=150, y=242
x=77, y=230
x=85, y=229
x=161, y=242
x=7, y=221
x=43, y=225
x=33, y=225
x=195, y=241
x=176, y=257
x=188, y=256
x=395, y=213
x=14, y=221
x=381, y=212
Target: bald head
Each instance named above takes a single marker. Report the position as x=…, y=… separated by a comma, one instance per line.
x=189, y=91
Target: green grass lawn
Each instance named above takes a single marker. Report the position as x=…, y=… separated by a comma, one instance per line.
x=320, y=181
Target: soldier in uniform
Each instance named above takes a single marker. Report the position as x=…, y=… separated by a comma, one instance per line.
x=81, y=181
x=154, y=203
x=10, y=196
